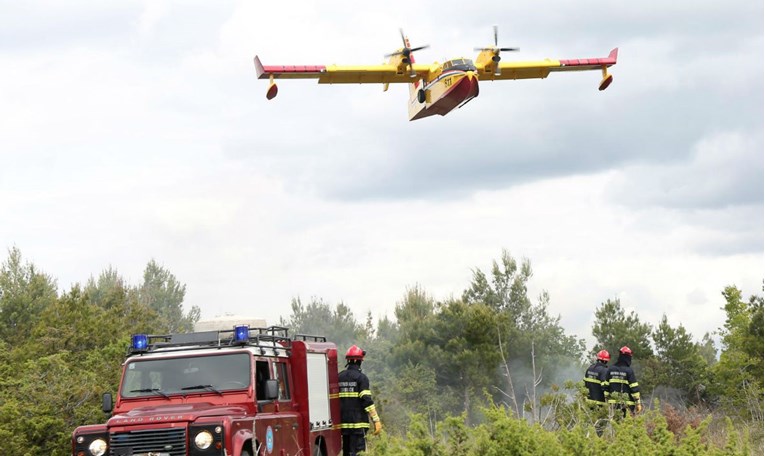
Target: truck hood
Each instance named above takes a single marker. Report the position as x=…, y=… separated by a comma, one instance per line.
x=173, y=413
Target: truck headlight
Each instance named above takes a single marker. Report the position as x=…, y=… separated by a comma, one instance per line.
x=97, y=447
x=203, y=440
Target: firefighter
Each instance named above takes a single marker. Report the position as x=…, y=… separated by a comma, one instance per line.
x=596, y=379
x=624, y=391
x=356, y=404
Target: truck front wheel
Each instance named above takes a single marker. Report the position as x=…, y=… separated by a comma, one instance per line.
x=318, y=448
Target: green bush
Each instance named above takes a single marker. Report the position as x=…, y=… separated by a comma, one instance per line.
x=503, y=434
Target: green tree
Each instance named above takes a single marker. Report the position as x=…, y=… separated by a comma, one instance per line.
x=552, y=346
x=164, y=294
x=681, y=363
x=754, y=338
x=24, y=293
x=739, y=373
x=452, y=340
x=319, y=318
x=110, y=291
x=613, y=329
x=707, y=349
x=469, y=354
x=533, y=347
x=508, y=288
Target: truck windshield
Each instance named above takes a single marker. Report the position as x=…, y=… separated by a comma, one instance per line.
x=187, y=375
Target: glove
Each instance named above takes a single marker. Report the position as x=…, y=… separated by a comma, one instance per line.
x=378, y=427
x=638, y=407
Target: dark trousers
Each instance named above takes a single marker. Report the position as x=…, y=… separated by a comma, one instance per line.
x=354, y=444
x=624, y=409
x=600, y=423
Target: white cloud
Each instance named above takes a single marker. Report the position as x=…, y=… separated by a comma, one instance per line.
x=725, y=169
x=153, y=12
x=139, y=131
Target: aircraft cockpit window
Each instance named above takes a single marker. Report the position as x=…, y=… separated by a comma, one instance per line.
x=459, y=64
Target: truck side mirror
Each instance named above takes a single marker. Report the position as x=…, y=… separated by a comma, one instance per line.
x=106, y=403
x=272, y=389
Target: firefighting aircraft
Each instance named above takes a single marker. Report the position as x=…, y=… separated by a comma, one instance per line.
x=437, y=88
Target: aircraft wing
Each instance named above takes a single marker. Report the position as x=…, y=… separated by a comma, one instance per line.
x=343, y=74
x=541, y=69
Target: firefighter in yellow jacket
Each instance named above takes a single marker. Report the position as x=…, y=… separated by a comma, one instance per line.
x=356, y=404
x=623, y=387
x=596, y=379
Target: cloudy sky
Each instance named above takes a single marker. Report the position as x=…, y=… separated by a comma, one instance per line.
x=137, y=130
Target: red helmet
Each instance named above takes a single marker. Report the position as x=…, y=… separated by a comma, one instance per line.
x=604, y=355
x=355, y=353
x=625, y=351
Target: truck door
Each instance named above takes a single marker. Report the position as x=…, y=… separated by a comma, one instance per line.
x=267, y=427
x=289, y=430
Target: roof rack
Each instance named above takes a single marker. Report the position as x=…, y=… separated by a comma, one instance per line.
x=270, y=337
x=310, y=338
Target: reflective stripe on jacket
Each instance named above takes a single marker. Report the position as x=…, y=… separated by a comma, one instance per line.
x=596, y=381
x=621, y=379
x=355, y=400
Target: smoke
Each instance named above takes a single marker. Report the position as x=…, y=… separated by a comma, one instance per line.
x=667, y=394
x=524, y=385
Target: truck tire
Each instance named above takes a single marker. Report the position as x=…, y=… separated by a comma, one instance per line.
x=317, y=450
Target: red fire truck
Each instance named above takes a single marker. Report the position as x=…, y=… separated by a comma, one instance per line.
x=240, y=392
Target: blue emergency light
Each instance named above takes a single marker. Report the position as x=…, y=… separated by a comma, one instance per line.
x=241, y=334
x=140, y=342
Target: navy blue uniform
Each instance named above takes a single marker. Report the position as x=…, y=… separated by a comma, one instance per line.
x=621, y=379
x=355, y=406
x=596, y=381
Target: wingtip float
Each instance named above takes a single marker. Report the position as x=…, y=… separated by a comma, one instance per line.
x=438, y=88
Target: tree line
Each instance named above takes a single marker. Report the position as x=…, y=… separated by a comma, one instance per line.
x=436, y=364
x=496, y=347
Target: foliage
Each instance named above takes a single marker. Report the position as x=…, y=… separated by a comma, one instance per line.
x=60, y=353
x=503, y=434
x=613, y=329
x=682, y=365
x=529, y=340
x=162, y=293
x=319, y=318
x=738, y=376
x=24, y=293
x=491, y=372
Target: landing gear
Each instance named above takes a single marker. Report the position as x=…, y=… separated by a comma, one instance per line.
x=606, y=81
x=421, y=96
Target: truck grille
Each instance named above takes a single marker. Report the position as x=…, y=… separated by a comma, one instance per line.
x=165, y=441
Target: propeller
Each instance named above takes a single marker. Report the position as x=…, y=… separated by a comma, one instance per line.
x=407, y=53
x=496, y=50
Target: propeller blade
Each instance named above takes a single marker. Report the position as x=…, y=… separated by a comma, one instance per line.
x=406, y=52
x=510, y=49
x=495, y=35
